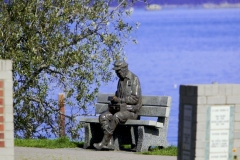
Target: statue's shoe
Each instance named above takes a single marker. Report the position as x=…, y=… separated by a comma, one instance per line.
x=98, y=146
x=106, y=142
x=109, y=147
x=101, y=146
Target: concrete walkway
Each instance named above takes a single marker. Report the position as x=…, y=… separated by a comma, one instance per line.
x=24, y=153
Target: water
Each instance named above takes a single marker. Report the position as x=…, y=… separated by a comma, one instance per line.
x=183, y=46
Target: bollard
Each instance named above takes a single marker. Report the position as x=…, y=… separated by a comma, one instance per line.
x=61, y=115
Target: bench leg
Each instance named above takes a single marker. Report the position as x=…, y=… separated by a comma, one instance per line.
x=134, y=136
x=93, y=134
x=142, y=145
x=122, y=135
x=88, y=135
x=148, y=136
x=163, y=140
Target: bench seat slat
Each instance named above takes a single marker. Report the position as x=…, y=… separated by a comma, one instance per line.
x=144, y=123
x=146, y=100
x=129, y=122
x=151, y=111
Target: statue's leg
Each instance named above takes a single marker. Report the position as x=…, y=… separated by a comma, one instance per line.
x=122, y=136
x=120, y=117
x=104, y=120
x=104, y=144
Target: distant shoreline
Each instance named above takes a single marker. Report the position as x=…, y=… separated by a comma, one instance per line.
x=190, y=6
x=205, y=5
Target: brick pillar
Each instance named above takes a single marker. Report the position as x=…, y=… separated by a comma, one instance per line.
x=209, y=122
x=1, y=115
x=6, y=111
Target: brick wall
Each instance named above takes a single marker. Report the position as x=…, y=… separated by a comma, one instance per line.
x=204, y=111
x=6, y=111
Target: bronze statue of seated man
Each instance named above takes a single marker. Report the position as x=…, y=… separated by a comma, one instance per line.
x=124, y=105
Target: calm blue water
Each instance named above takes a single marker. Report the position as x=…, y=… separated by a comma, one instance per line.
x=183, y=47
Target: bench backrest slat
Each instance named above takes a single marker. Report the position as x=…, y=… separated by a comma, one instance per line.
x=146, y=100
x=104, y=98
x=163, y=101
x=153, y=106
x=151, y=111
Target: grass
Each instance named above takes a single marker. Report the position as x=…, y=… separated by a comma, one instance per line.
x=169, y=151
x=66, y=143
x=47, y=143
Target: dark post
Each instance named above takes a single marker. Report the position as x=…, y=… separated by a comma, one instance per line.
x=61, y=115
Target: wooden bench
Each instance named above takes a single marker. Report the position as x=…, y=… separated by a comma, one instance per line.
x=141, y=134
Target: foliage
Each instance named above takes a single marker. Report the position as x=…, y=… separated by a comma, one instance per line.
x=62, y=142
x=59, y=46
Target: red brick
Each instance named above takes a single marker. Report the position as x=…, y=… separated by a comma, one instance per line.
x=1, y=110
x=2, y=144
x=1, y=101
x=1, y=135
x=1, y=83
x=1, y=127
x=1, y=93
x=1, y=119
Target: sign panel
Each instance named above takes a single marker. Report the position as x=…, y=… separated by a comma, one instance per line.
x=186, y=139
x=186, y=155
x=219, y=140
x=187, y=125
x=219, y=132
x=218, y=156
x=220, y=117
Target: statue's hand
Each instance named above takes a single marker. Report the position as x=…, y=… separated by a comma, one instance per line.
x=116, y=100
x=129, y=108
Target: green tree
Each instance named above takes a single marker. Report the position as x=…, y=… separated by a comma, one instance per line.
x=59, y=46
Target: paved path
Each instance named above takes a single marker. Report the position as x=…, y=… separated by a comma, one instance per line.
x=24, y=153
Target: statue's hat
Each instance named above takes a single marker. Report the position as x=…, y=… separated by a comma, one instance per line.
x=119, y=64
